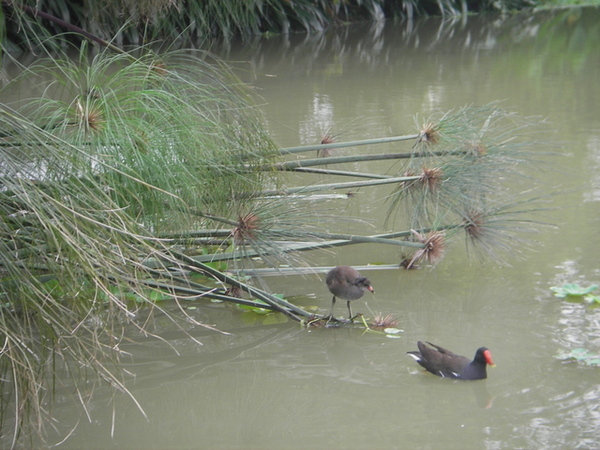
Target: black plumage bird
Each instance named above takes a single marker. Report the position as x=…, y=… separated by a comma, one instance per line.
x=444, y=363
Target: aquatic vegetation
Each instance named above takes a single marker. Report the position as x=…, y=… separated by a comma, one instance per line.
x=581, y=355
x=574, y=290
x=112, y=154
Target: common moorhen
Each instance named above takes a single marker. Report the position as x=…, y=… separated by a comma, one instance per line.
x=348, y=284
x=444, y=363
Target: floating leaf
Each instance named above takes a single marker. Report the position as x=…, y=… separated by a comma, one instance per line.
x=572, y=289
x=256, y=310
x=393, y=330
x=581, y=355
x=157, y=296
x=393, y=333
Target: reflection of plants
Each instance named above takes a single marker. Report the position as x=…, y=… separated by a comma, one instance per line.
x=211, y=18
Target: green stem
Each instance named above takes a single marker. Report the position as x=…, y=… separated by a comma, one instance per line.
x=215, y=218
x=346, y=185
x=213, y=233
x=308, y=148
x=350, y=238
x=336, y=240
x=278, y=304
x=293, y=165
x=341, y=173
x=210, y=293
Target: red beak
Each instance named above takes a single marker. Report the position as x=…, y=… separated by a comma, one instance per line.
x=488, y=358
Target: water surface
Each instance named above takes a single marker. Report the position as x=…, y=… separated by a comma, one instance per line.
x=273, y=384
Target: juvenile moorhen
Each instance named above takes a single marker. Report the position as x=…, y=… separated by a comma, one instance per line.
x=348, y=284
x=444, y=363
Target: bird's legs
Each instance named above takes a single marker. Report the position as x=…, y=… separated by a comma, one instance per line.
x=332, y=305
x=351, y=317
x=331, y=317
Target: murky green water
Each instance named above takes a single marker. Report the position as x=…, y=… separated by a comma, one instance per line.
x=276, y=385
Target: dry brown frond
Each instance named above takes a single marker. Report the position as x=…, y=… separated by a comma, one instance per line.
x=327, y=139
x=474, y=224
x=246, y=228
x=429, y=134
x=90, y=117
x=95, y=120
x=325, y=152
x=477, y=148
x=159, y=67
x=381, y=321
x=431, y=178
x=433, y=252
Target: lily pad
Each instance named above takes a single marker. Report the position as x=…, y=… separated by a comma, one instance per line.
x=393, y=333
x=393, y=330
x=256, y=309
x=581, y=355
x=572, y=289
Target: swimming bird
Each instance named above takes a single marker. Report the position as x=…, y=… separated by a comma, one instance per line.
x=444, y=363
x=348, y=284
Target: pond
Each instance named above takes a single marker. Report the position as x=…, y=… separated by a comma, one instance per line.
x=270, y=383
